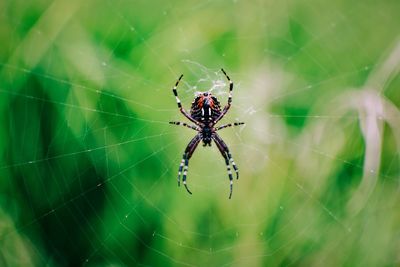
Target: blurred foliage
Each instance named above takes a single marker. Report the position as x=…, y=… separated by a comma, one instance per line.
x=89, y=161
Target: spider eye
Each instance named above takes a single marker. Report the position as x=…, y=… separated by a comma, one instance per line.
x=205, y=94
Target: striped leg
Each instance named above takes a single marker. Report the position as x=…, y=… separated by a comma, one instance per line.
x=180, y=169
x=191, y=147
x=222, y=147
x=185, y=124
x=178, y=101
x=226, y=108
x=234, y=165
x=229, y=125
x=228, y=169
x=230, y=88
x=185, y=169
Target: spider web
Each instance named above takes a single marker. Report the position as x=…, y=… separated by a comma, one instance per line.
x=89, y=161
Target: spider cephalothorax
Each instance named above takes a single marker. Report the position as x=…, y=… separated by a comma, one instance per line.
x=206, y=113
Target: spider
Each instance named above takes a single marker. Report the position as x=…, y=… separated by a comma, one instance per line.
x=205, y=113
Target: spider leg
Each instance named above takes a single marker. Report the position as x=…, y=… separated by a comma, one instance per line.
x=180, y=169
x=228, y=105
x=185, y=124
x=234, y=165
x=185, y=173
x=191, y=147
x=229, y=125
x=223, y=148
x=178, y=101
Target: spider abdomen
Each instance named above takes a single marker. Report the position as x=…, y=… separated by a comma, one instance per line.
x=205, y=107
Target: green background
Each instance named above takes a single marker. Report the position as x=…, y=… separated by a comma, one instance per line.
x=89, y=162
